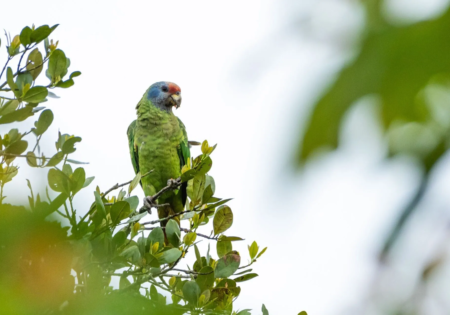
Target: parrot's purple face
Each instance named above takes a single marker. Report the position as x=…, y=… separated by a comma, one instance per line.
x=165, y=95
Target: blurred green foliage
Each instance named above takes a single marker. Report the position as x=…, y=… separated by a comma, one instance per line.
x=50, y=268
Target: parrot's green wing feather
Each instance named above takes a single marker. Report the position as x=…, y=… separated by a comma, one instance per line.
x=184, y=154
x=133, y=149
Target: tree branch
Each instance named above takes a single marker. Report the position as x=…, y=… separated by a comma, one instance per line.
x=185, y=231
x=117, y=186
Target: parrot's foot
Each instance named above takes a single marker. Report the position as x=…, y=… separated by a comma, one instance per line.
x=150, y=203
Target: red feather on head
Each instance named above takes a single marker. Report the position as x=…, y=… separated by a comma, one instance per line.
x=173, y=88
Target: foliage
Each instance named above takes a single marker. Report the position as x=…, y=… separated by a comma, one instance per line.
x=48, y=267
x=406, y=70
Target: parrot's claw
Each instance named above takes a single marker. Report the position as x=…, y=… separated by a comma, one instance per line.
x=174, y=183
x=149, y=203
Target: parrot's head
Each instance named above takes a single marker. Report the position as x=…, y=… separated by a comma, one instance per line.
x=164, y=95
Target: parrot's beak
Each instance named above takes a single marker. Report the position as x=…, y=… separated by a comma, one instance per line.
x=175, y=100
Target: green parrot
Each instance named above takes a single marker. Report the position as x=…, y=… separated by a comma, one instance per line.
x=158, y=142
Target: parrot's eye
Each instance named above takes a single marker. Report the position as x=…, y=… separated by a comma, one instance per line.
x=164, y=88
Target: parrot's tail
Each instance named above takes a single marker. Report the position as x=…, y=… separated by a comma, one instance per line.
x=164, y=212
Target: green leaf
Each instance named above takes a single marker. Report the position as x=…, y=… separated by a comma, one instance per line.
x=41, y=33
x=22, y=80
x=132, y=254
x=44, y=121
x=134, y=183
x=78, y=179
x=137, y=217
x=204, y=166
x=56, y=203
x=56, y=159
x=151, y=260
x=253, y=250
x=35, y=94
x=155, y=236
x=223, y=219
x=224, y=238
x=58, y=181
x=189, y=238
x=99, y=204
x=245, y=277
x=124, y=282
x=11, y=83
x=25, y=36
x=31, y=159
x=173, y=232
x=169, y=256
x=191, y=292
x=261, y=252
x=207, y=194
x=242, y=272
x=244, y=312
x=302, y=313
x=17, y=147
x=17, y=115
x=119, y=211
x=76, y=162
x=196, y=188
x=227, y=265
x=264, y=310
x=223, y=247
x=57, y=65
x=205, y=279
x=88, y=181
x=9, y=107
x=198, y=257
x=133, y=201
x=69, y=145
x=119, y=239
x=34, y=63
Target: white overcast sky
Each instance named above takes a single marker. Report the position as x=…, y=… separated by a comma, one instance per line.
x=248, y=70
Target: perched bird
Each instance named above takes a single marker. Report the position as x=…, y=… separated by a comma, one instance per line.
x=158, y=142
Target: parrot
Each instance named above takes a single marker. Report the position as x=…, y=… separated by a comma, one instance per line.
x=159, y=144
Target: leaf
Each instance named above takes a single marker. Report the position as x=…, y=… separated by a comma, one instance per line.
x=173, y=232
x=124, y=282
x=88, y=181
x=302, y=313
x=35, y=94
x=264, y=310
x=57, y=65
x=155, y=236
x=44, y=121
x=69, y=145
x=17, y=115
x=17, y=147
x=223, y=219
x=23, y=82
x=34, y=63
x=10, y=81
x=224, y=238
x=119, y=211
x=134, y=183
x=25, y=36
x=151, y=260
x=78, y=179
x=189, y=238
x=76, y=162
x=56, y=203
x=205, y=279
x=207, y=194
x=223, y=247
x=198, y=257
x=133, y=202
x=169, y=256
x=242, y=272
x=56, y=159
x=137, y=217
x=119, y=239
x=245, y=277
x=253, y=250
x=9, y=107
x=31, y=159
x=261, y=252
x=227, y=265
x=132, y=254
x=191, y=292
x=99, y=205
x=41, y=33
x=58, y=181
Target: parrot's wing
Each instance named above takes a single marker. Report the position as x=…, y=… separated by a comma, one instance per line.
x=133, y=148
x=184, y=154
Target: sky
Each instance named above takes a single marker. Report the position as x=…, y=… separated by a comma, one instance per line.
x=249, y=72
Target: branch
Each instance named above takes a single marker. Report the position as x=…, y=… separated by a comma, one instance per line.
x=6, y=64
x=171, y=185
x=193, y=272
x=117, y=186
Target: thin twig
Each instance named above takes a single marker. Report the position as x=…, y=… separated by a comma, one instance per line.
x=171, y=216
x=117, y=186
